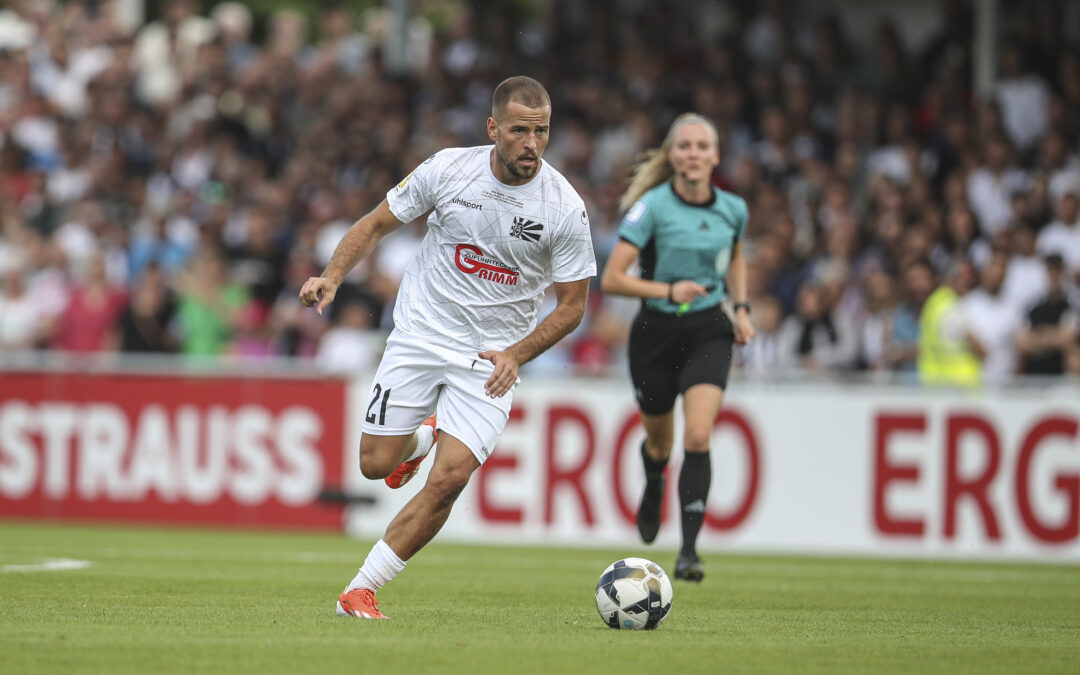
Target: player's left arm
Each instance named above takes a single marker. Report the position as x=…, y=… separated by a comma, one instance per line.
x=736, y=283
x=571, y=298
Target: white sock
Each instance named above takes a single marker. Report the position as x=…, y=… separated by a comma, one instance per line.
x=380, y=566
x=425, y=437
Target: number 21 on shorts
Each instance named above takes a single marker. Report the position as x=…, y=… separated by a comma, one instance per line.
x=379, y=393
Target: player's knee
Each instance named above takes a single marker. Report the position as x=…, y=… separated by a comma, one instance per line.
x=373, y=467
x=447, y=485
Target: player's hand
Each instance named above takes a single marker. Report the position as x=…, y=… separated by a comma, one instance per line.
x=744, y=328
x=505, y=374
x=687, y=291
x=318, y=292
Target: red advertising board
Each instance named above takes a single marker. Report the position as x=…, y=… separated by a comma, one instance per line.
x=201, y=450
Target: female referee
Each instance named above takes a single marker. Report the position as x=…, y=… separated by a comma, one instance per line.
x=686, y=236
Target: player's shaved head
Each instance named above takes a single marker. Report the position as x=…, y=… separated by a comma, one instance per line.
x=520, y=89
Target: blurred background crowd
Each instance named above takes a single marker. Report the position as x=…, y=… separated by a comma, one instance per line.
x=168, y=181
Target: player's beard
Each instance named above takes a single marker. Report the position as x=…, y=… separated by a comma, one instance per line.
x=519, y=172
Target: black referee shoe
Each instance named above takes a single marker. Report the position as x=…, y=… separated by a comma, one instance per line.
x=648, y=514
x=688, y=567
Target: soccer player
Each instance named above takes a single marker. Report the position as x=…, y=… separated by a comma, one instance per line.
x=686, y=235
x=503, y=225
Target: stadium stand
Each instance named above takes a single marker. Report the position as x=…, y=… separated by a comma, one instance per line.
x=167, y=185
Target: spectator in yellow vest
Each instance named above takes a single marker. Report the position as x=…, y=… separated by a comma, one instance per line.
x=949, y=354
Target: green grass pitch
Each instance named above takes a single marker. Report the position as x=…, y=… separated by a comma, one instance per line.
x=169, y=601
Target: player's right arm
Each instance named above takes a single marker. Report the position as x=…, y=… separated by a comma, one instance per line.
x=356, y=245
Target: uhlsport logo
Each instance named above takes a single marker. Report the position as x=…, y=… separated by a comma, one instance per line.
x=467, y=204
x=528, y=230
x=471, y=260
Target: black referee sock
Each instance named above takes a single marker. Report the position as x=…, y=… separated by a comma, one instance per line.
x=694, y=480
x=654, y=468
x=648, y=515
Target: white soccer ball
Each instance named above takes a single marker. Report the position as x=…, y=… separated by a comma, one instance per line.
x=633, y=594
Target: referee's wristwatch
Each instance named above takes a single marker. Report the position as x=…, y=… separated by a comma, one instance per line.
x=741, y=305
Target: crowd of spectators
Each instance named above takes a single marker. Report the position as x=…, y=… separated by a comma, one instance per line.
x=167, y=185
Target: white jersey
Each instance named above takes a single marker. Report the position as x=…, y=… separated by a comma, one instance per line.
x=490, y=252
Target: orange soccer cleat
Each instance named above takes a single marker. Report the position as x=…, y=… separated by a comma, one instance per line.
x=407, y=469
x=359, y=602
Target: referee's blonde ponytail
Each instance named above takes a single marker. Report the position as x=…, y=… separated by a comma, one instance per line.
x=653, y=167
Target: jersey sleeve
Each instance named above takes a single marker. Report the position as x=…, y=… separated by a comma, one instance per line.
x=572, y=256
x=638, y=225
x=415, y=194
x=742, y=216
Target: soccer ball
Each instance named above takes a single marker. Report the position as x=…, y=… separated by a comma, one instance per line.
x=633, y=594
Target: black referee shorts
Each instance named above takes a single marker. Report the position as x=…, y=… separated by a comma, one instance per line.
x=669, y=354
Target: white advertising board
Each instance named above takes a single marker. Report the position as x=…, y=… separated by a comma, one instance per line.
x=822, y=468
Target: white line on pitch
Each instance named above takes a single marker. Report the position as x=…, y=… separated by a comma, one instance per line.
x=49, y=565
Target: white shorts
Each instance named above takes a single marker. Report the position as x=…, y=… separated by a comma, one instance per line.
x=416, y=378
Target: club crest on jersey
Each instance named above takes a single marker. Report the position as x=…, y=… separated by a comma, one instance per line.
x=471, y=260
x=525, y=229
